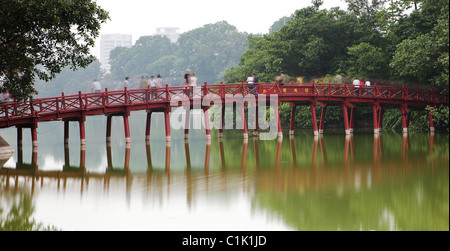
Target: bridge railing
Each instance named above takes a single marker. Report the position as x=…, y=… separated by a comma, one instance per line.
x=88, y=101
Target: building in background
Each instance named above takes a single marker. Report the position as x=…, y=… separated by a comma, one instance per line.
x=173, y=33
x=110, y=41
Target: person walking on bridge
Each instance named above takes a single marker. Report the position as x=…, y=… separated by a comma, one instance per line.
x=96, y=86
x=126, y=83
x=281, y=78
x=356, y=86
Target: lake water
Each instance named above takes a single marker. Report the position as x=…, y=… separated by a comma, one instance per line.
x=332, y=182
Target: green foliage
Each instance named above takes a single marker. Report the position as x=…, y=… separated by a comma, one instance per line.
x=69, y=81
x=39, y=38
x=19, y=215
x=367, y=61
x=423, y=52
x=313, y=43
x=143, y=56
x=207, y=51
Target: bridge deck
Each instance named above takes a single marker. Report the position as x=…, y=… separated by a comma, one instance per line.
x=110, y=102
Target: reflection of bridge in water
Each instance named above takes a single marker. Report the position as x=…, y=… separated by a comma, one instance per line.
x=277, y=175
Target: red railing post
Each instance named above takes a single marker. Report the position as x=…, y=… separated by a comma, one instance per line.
x=375, y=90
x=433, y=95
x=126, y=95
x=404, y=92
x=63, y=101
x=105, y=96
x=345, y=89
x=81, y=100
x=167, y=92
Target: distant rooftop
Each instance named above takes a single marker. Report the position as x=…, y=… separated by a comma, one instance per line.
x=173, y=33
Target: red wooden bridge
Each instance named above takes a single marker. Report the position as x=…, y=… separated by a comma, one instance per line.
x=120, y=103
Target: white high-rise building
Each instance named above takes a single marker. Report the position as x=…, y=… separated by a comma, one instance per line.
x=110, y=41
x=173, y=33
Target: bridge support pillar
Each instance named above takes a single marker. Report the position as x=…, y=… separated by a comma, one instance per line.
x=108, y=128
x=352, y=118
x=322, y=117
x=380, y=119
x=66, y=132
x=314, y=119
x=292, y=126
x=375, y=108
x=222, y=116
x=405, y=117
x=34, y=134
x=187, y=122
x=431, y=117
x=167, y=125
x=19, y=145
x=82, y=132
x=127, y=129
x=277, y=115
x=244, y=121
x=19, y=137
x=207, y=128
x=256, y=122
x=147, y=126
x=346, y=123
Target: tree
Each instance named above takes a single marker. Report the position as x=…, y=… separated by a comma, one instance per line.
x=367, y=61
x=40, y=38
x=423, y=53
x=210, y=50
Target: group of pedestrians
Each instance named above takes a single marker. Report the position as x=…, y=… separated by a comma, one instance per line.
x=361, y=86
x=150, y=82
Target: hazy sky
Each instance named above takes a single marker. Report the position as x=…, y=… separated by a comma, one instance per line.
x=142, y=17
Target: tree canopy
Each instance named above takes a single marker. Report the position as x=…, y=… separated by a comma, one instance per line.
x=393, y=40
x=207, y=51
x=39, y=38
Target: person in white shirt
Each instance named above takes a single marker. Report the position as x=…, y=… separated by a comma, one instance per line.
x=250, y=79
x=356, y=85
x=367, y=84
x=126, y=83
x=96, y=86
x=158, y=81
x=193, y=80
x=152, y=85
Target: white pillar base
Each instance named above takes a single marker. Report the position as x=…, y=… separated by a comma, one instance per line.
x=351, y=130
x=186, y=136
x=128, y=140
x=291, y=132
x=245, y=135
x=376, y=131
x=432, y=129
x=347, y=132
x=35, y=143
x=208, y=137
x=83, y=142
x=220, y=135
x=280, y=135
x=168, y=139
x=316, y=133
x=405, y=130
x=320, y=131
